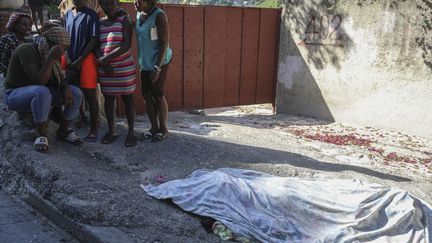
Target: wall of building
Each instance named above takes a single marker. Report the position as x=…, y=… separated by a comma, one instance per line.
x=366, y=62
x=6, y=8
x=11, y=4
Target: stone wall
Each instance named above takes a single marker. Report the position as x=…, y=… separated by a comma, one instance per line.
x=358, y=61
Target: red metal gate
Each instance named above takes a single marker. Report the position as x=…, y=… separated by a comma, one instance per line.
x=223, y=56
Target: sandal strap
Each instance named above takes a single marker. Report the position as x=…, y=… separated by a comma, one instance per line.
x=73, y=136
x=42, y=140
x=147, y=135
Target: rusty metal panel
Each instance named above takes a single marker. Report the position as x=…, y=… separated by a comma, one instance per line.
x=250, y=37
x=174, y=89
x=267, y=60
x=214, y=56
x=234, y=18
x=222, y=56
x=193, y=57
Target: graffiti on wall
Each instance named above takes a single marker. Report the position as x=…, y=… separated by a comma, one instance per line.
x=323, y=30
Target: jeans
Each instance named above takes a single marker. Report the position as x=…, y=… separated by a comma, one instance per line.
x=38, y=99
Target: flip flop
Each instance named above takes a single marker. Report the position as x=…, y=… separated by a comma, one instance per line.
x=131, y=141
x=109, y=138
x=146, y=135
x=41, y=144
x=70, y=136
x=91, y=138
x=159, y=137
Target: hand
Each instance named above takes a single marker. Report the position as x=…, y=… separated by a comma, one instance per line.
x=68, y=97
x=102, y=61
x=75, y=65
x=108, y=69
x=154, y=76
x=55, y=53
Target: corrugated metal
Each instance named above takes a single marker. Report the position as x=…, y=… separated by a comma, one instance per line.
x=249, y=67
x=233, y=59
x=214, y=56
x=193, y=57
x=267, y=55
x=174, y=91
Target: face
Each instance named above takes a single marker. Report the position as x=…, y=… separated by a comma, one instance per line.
x=142, y=5
x=23, y=26
x=109, y=7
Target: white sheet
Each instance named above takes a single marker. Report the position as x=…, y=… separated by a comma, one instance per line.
x=281, y=209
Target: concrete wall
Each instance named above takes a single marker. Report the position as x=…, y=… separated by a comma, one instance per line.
x=11, y=4
x=6, y=8
x=366, y=62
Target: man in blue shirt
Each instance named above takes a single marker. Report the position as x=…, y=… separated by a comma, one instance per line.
x=82, y=23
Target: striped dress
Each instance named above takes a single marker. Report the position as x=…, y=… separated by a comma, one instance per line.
x=123, y=81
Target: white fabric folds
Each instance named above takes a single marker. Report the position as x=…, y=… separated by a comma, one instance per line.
x=282, y=209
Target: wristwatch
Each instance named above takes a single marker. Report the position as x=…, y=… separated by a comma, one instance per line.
x=157, y=68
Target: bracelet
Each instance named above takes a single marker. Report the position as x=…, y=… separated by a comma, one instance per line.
x=156, y=68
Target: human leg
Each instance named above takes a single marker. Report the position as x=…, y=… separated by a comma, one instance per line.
x=162, y=108
x=146, y=86
x=33, y=98
x=69, y=114
x=90, y=96
x=33, y=13
x=82, y=118
x=130, y=115
x=158, y=93
x=130, y=111
x=37, y=99
x=88, y=82
x=72, y=111
x=39, y=10
x=109, y=107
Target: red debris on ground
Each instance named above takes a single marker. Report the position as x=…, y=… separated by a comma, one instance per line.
x=393, y=157
x=350, y=139
x=376, y=150
x=357, y=140
x=160, y=179
x=298, y=132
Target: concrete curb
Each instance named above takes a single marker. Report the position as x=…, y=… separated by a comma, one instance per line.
x=82, y=232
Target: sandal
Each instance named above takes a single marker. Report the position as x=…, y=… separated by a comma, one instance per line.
x=147, y=135
x=159, y=137
x=109, y=138
x=70, y=136
x=131, y=140
x=91, y=138
x=41, y=144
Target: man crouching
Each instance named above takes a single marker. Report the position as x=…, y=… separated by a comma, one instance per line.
x=35, y=82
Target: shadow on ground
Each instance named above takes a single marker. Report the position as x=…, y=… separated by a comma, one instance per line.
x=100, y=184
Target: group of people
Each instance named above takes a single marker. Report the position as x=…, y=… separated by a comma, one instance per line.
x=62, y=69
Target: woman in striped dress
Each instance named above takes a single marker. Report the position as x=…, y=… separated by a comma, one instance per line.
x=116, y=67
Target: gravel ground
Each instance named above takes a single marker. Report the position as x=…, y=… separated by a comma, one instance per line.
x=98, y=184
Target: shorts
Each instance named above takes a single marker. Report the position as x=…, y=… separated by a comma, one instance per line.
x=88, y=74
x=148, y=86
